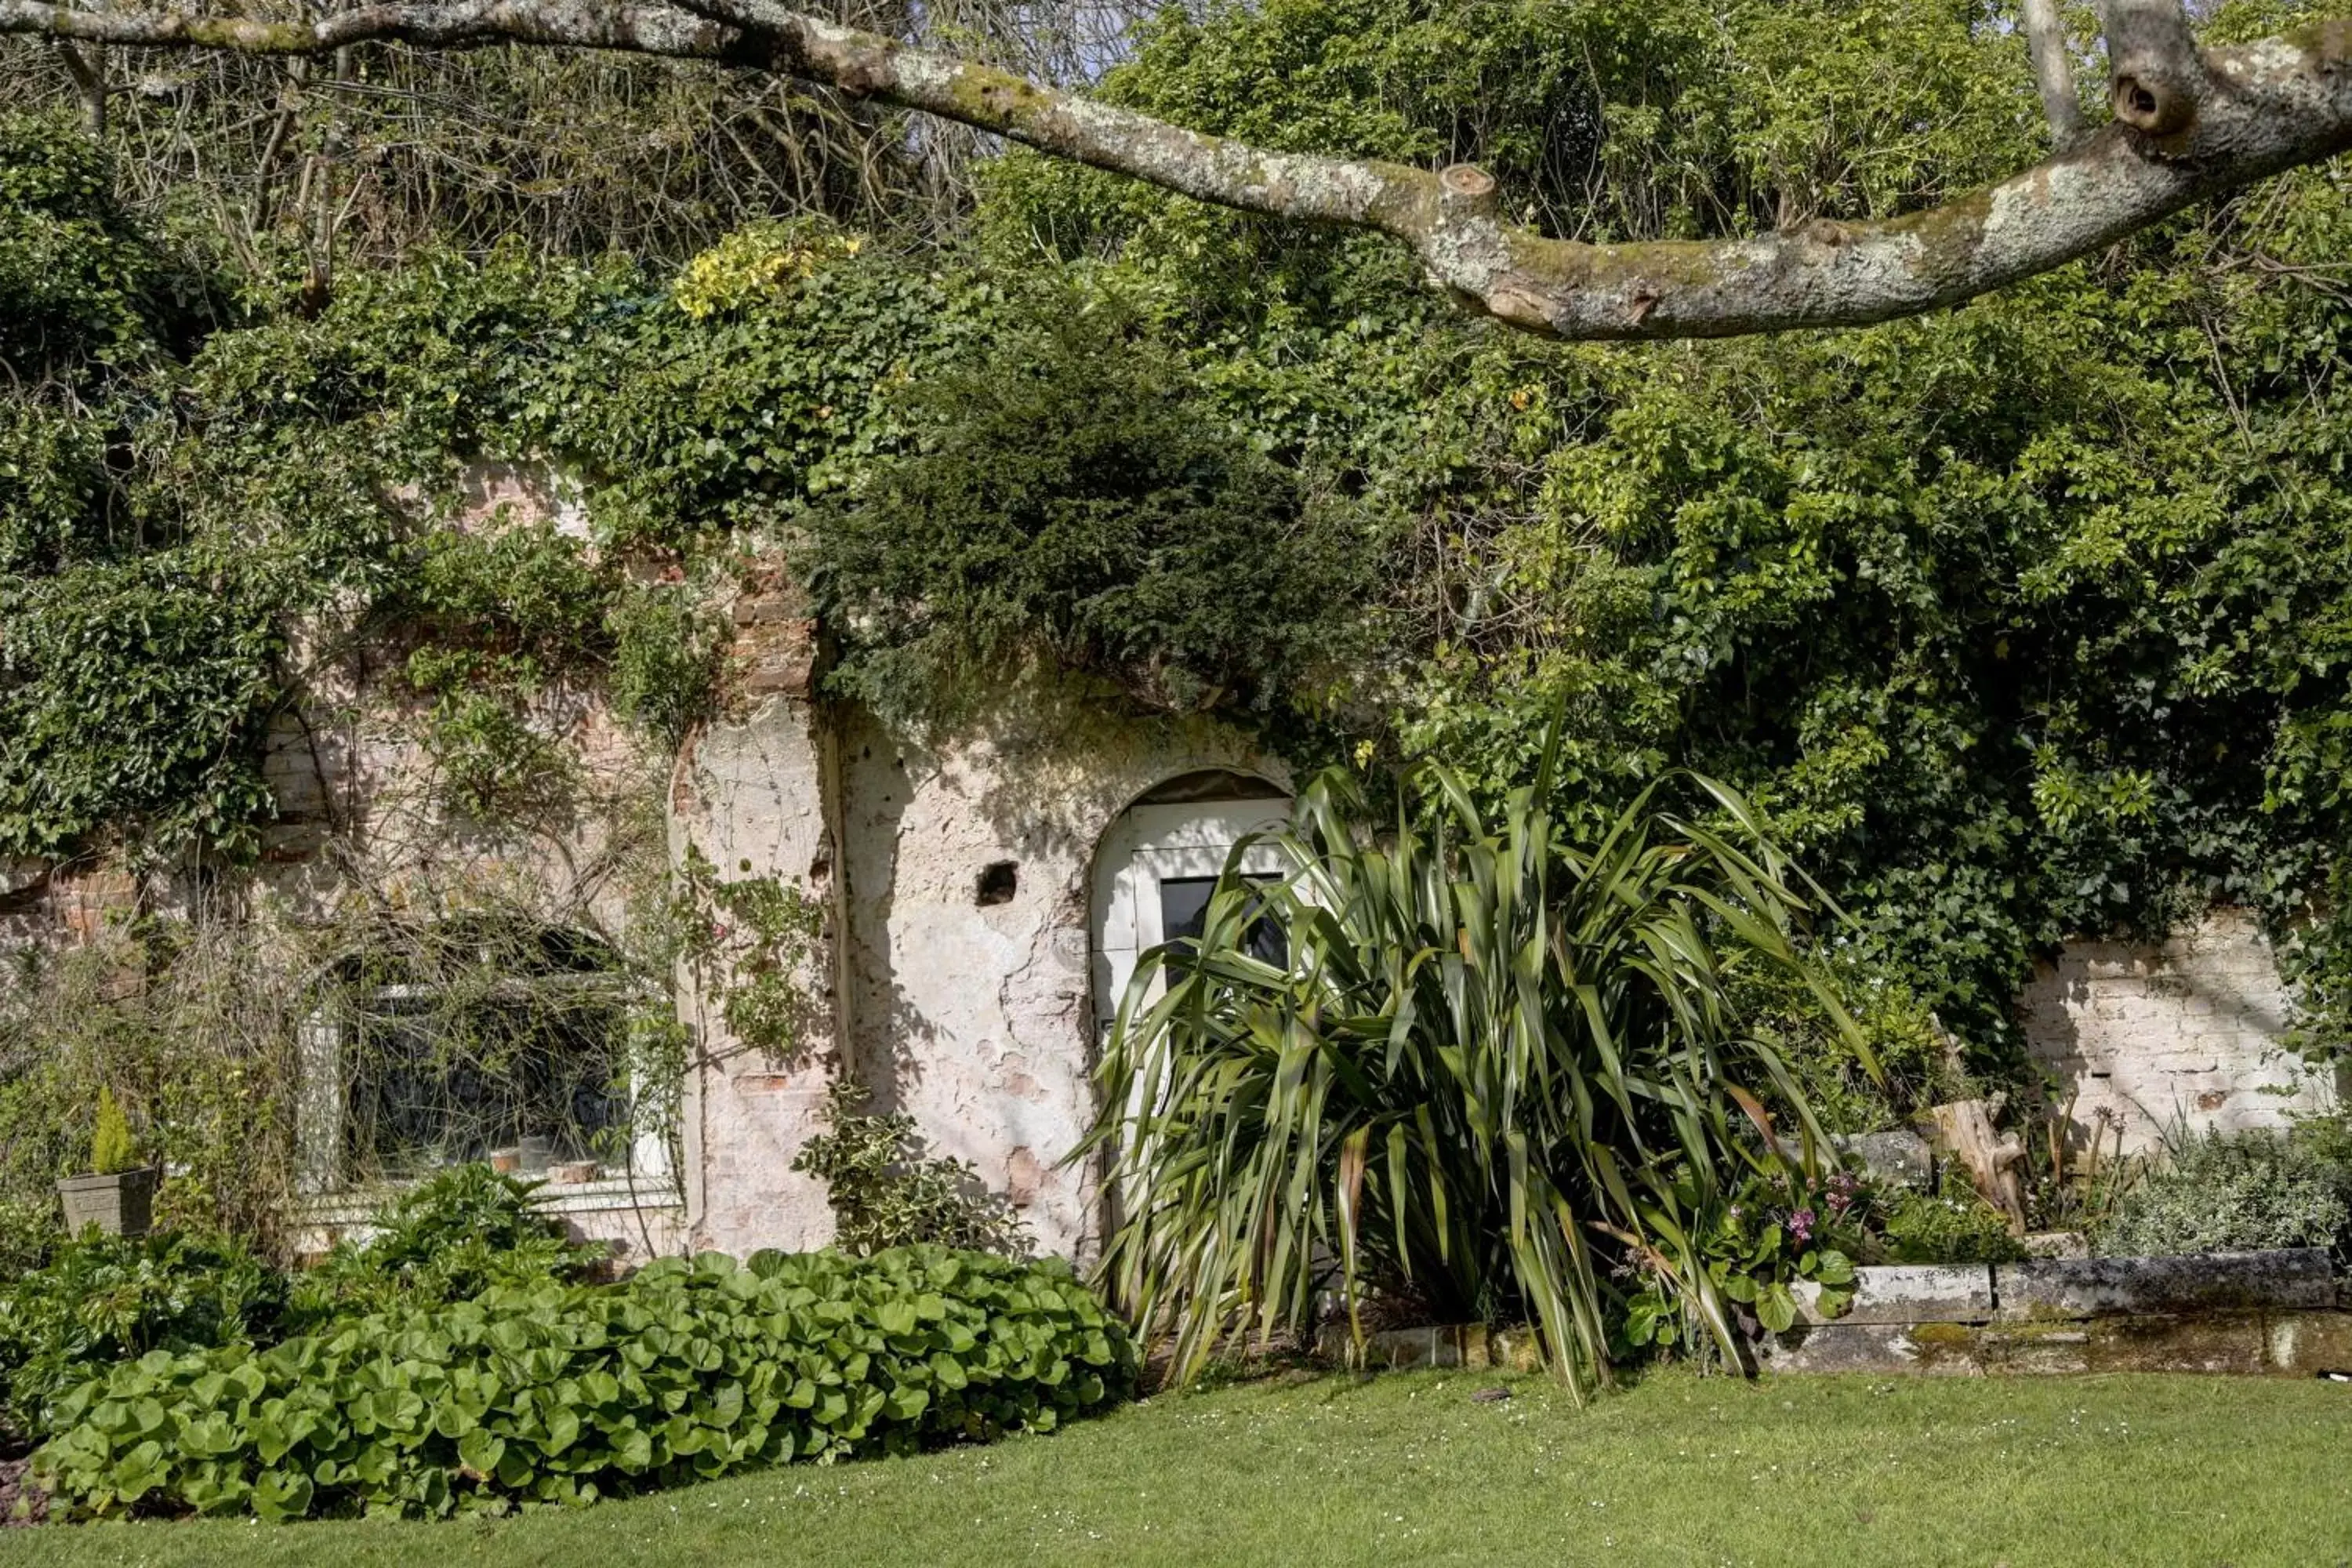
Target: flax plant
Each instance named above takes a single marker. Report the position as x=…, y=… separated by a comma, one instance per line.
x=1491, y=1070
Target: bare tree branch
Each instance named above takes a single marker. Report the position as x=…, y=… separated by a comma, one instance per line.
x=2054, y=72
x=2250, y=112
x=86, y=64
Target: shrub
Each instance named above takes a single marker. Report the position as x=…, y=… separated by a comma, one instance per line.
x=1954, y=1226
x=105, y=1299
x=2229, y=1192
x=563, y=1395
x=1484, y=1062
x=886, y=1191
x=112, y=1150
x=452, y=1237
x=1080, y=499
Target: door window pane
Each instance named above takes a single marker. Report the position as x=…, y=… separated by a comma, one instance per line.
x=1184, y=913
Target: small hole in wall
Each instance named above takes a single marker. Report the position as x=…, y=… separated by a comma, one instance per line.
x=998, y=882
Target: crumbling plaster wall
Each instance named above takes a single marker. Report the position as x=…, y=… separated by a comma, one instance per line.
x=2187, y=1030
x=975, y=1017
x=358, y=824
x=753, y=792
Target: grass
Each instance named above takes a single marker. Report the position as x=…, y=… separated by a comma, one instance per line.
x=1845, y=1472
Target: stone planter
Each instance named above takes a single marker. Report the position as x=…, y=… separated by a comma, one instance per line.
x=119, y=1205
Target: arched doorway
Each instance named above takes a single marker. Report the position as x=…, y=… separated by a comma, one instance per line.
x=1159, y=861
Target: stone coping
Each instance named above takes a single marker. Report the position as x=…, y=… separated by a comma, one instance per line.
x=2301, y=1278
x=359, y=1207
x=2290, y=1279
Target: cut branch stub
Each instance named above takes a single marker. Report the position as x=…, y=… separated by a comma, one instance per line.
x=2156, y=79
x=1465, y=190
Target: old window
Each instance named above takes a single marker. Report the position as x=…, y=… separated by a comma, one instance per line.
x=1184, y=912
x=467, y=1040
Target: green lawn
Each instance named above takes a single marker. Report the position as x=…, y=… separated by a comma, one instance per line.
x=1850, y=1472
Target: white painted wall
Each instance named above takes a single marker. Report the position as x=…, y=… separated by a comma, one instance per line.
x=980, y=1019
x=2188, y=1029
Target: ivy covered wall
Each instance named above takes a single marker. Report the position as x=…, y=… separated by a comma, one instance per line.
x=2023, y=621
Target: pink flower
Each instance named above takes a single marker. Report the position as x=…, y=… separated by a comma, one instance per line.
x=1800, y=1225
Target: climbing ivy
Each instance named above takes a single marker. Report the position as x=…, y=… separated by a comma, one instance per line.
x=2021, y=620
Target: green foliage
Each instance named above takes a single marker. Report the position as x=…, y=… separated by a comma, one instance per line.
x=1875, y=1061
x=665, y=661
x=2019, y=621
x=1076, y=502
x=1953, y=1225
x=1783, y=1231
x=79, y=286
x=113, y=1150
x=96, y=1300
x=1494, y=1061
x=755, y=940
x=885, y=1191
x=2230, y=1191
x=449, y=1238
x=134, y=688
x=2022, y=621
x=168, y=527
x=191, y=1027
x=82, y=1303
x=683, y=1372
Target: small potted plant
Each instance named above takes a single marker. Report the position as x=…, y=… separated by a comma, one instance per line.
x=118, y=1196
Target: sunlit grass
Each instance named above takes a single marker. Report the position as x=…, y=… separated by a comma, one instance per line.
x=1825, y=1472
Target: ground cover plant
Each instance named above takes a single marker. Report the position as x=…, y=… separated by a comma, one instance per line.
x=461, y=1360
x=2134, y=1471
x=2230, y=1191
x=92, y=1302
x=687, y=1369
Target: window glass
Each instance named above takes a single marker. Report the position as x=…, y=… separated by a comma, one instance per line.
x=437, y=1082
x=1184, y=912
x=471, y=1039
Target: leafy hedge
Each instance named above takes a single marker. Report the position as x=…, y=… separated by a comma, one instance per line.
x=106, y=1299
x=686, y=1371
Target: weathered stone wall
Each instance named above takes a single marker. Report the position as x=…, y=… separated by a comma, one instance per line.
x=2244, y=1313
x=973, y=1013
x=360, y=824
x=2188, y=1030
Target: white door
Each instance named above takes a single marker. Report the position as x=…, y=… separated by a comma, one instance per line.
x=1153, y=876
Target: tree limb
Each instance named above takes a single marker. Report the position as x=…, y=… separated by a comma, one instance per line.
x=2054, y=72
x=2253, y=110
x=86, y=64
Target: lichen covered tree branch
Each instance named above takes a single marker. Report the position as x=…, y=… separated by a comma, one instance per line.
x=2255, y=110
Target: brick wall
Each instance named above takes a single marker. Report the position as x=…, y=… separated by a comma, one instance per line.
x=2186, y=1029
